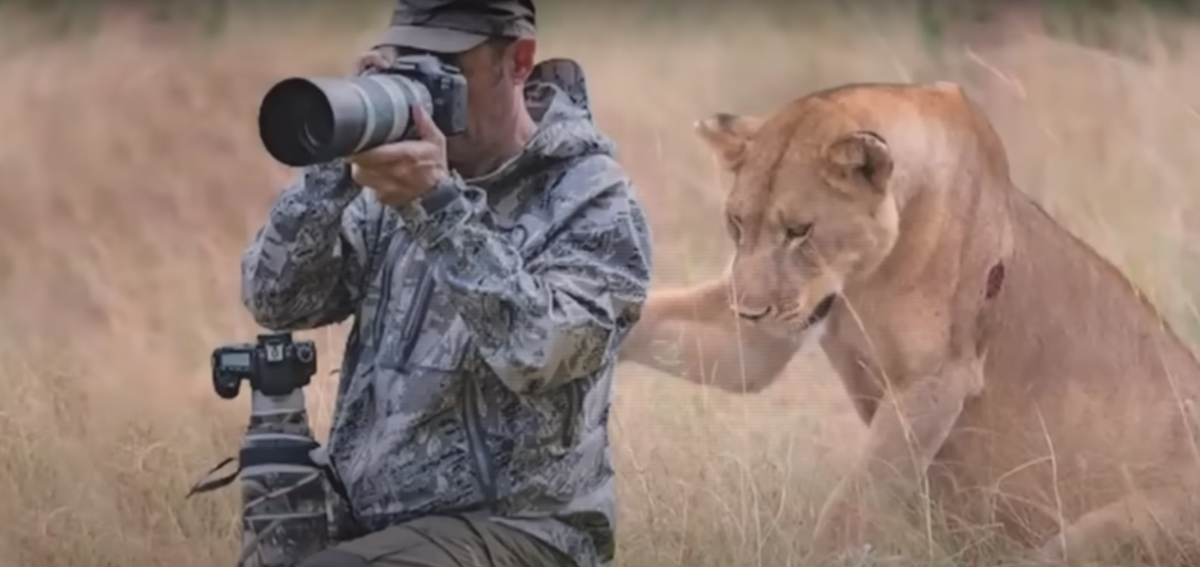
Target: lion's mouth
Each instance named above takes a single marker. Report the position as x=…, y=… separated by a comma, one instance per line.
x=819, y=312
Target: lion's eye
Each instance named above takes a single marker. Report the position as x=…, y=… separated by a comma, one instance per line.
x=799, y=232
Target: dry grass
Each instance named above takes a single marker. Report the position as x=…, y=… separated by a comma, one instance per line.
x=131, y=177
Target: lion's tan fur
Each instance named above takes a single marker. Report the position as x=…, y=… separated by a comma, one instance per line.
x=1061, y=408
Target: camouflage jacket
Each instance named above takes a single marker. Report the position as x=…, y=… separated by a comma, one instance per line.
x=479, y=371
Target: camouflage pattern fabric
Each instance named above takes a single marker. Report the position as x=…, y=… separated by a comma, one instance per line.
x=496, y=18
x=479, y=371
x=284, y=506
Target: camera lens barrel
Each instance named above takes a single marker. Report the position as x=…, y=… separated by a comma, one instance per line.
x=303, y=121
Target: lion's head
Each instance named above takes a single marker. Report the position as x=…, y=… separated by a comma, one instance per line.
x=810, y=210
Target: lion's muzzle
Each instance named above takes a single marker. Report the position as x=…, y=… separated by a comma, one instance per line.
x=760, y=313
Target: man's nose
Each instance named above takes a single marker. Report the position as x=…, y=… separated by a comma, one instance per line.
x=752, y=312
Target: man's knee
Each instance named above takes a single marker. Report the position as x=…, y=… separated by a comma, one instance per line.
x=442, y=541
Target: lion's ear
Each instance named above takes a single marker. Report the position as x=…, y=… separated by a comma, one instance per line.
x=860, y=157
x=728, y=136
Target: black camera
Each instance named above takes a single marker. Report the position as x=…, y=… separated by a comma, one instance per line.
x=283, y=470
x=303, y=121
x=275, y=365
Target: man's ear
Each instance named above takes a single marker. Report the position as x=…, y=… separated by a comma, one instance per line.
x=728, y=136
x=522, y=56
x=859, y=159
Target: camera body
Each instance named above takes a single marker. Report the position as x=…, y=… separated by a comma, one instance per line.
x=309, y=120
x=446, y=85
x=274, y=365
x=285, y=473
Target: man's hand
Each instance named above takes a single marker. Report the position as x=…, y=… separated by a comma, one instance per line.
x=401, y=172
x=372, y=60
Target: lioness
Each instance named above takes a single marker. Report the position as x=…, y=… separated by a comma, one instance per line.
x=989, y=351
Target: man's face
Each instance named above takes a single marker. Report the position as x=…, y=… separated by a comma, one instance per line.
x=496, y=74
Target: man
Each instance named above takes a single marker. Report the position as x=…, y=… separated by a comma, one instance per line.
x=492, y=277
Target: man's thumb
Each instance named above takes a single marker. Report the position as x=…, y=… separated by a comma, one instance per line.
x=425, y=126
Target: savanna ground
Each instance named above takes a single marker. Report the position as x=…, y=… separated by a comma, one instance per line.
x=131, y=177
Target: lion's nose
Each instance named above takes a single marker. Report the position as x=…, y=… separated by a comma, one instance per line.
x=752, y=313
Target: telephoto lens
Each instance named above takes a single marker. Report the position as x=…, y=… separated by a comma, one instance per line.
x=303, y=121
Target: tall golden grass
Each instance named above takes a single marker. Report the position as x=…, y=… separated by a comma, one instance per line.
x=131, y=177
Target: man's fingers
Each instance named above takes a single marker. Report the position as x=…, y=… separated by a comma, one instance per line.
x=361, y=176
x=385, y=156
x=389, y=156
x=425, y=126
x=370, y=179
x=369, y=61
x=379, y=175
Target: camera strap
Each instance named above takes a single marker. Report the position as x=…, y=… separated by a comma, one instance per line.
x=309, y=455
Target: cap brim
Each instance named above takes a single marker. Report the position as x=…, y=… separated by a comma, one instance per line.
x=437, y=40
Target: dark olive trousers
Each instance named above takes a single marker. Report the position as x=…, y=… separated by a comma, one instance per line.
x=443, y=541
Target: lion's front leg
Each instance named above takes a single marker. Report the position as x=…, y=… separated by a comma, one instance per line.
x=907, y=430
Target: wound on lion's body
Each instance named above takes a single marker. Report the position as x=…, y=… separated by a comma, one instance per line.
x=995, y=281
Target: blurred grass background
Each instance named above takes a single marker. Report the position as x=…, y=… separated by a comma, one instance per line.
x=131, y=177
